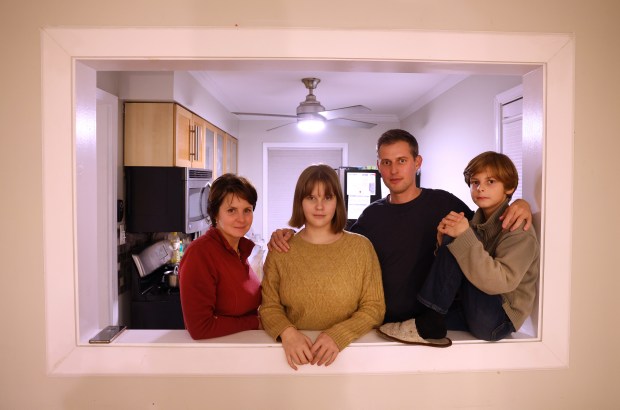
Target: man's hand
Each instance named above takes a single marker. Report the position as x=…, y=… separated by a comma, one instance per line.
x=279, y=240
x=452, y=225
x=324, y=350
x=515, y=214
x=296, y=347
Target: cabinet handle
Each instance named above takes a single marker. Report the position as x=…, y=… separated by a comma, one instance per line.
x=197, y=135
x=192, y=134
x=192, y=142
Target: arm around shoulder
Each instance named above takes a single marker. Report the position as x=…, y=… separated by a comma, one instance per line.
x=514, y=216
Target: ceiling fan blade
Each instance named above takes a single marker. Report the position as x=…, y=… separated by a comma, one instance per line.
x=283, y=125
x=345, y=122
x=344, y=111
x=265, y=115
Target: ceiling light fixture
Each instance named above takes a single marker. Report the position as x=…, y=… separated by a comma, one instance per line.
x=311, y=125
x=308, y=119
x=311, y=115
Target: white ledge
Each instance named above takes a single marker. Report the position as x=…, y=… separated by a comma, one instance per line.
x=258, y=338
x=173, y=352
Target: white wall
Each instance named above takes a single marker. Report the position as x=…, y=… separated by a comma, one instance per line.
x=189, y=93
x=454, y=128
x=146, y=86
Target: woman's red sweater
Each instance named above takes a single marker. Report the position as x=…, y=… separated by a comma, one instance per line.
x=220, y=293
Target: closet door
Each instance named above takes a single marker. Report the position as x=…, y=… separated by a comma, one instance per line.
x=512, y=138
x=284, y=165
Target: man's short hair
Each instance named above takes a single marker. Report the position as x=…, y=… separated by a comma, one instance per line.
x=395, y=135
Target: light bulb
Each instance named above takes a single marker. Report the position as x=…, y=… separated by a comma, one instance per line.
x=311, y=125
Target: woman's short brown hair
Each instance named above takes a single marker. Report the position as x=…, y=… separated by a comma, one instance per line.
x=308, y=179
x=499, y=165
x=229, y=184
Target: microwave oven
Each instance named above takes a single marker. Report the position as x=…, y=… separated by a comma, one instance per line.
x=167, y=199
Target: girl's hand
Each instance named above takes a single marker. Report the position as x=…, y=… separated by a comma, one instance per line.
x=296, y=347
x=324, y=350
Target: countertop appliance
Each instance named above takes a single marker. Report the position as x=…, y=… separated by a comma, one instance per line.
x=167, y=199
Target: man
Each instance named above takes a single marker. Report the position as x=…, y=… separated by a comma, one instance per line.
x=403, y=226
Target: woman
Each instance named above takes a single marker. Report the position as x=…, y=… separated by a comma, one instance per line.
x=220, y=293
x=330, y=279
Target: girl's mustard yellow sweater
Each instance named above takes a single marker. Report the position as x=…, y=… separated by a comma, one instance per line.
x=335, y=288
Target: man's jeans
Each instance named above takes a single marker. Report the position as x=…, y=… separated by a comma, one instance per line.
x=478, y=312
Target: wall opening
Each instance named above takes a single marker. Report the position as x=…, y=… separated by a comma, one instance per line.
x=66, y=352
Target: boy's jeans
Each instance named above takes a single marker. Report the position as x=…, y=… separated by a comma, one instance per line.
x=480, y=313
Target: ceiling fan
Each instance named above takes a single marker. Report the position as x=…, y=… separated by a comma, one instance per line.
x=310, y=112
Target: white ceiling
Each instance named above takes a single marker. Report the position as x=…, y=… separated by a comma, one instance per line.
x=390, y=96
x=392, y=90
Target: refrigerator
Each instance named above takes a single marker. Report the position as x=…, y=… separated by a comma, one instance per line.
x=360, y=187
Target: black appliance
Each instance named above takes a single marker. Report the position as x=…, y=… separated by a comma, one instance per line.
x=167, y=199
x=360, y=187
x=154, y=303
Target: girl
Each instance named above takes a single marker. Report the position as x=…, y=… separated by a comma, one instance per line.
x=330, y=280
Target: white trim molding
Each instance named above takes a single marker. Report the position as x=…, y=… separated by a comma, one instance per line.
x=67, y=351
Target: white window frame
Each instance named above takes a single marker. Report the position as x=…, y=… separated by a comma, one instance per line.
x=153, y=353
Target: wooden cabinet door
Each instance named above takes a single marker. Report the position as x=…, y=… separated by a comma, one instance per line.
x=231, y=154
x=219, y=153
x=148, y=134
x=197, y=154
x=183, y=137
x=210, y=132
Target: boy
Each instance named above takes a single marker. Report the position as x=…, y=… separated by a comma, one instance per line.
x=493, y=270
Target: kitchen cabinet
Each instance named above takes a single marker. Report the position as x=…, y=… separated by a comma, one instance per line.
x=163, y=134
x=230, y=164
x=225, y=153
x=219, y=154
x=210, y=135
